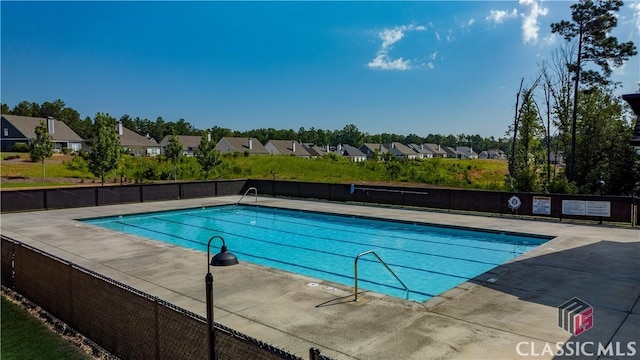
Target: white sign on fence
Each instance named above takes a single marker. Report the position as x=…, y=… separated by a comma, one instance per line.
x=542, y=205
x=589, y=208
x=574, y=207
x=599, y=208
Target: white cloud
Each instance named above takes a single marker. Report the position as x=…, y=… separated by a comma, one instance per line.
x=389, y=37
x=430, y=65
x=468, y=23
x=530, y=27
x=635, y=6
x=434, y=55
x=550, y=39
x=438, y=36
x=498, y=16
x=383, y=62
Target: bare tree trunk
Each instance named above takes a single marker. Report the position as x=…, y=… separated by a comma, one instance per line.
x=574, y=116
x=512, y=163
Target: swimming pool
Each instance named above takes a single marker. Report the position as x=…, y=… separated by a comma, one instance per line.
x=428, y=259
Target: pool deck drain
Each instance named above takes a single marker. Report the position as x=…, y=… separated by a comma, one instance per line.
x=508, y=318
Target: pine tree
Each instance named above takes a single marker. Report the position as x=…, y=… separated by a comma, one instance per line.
x=591, y=26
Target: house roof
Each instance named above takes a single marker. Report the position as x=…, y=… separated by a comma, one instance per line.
x=435, y=148
x=285, y=147
x=373, y=147
x=348, y=150
x=241, y=144
x=131, y=138
x=27, y=126
x=465, y=150
x=314, y=150
x=449, y=150
x=187, y=141
x=400, y=148
x=421, y=149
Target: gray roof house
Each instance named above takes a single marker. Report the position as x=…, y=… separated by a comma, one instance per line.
x=229, y=145
x=136, y=144
x=401, y=151
x=492, y=154
x=436, y=150
x=353, y=153
x=189, y=143
x=450, y=152
x=465, y=152
x=286, y=147
x=370, y=149
x=314, y=150
x=21, y=129
x=423, y=152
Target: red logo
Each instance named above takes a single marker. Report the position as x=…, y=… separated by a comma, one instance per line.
x=575, y=316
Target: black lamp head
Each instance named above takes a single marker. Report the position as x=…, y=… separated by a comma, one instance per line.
x=224, y=258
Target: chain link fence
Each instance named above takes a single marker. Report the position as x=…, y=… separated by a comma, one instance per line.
x=126, y=322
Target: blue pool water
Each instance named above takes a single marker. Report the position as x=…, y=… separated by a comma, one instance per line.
x=428, y=259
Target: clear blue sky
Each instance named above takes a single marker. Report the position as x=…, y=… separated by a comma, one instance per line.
x=446, y=67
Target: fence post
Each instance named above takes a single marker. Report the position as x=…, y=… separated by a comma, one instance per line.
x=314, y=354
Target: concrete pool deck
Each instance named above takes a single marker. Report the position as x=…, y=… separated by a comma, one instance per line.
x=513, y=317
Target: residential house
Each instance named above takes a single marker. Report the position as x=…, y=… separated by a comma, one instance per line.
x=286, y=147
x=401, y=151
x=557, y=159
x=314, y=150
x=371, y=149
x=465, y=152
x=352, y=152
x=189, y=143
x=423, y=152
x=435, y=149
x=22, y=129
x=136, y=144
x=495, y=154
x=450, y=152
x=252, y=146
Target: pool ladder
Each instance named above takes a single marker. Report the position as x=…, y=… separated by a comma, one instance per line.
x=355, y=272
x=246, y=192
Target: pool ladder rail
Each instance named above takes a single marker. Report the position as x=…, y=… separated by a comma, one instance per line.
x=246, y=192
x=355, y=272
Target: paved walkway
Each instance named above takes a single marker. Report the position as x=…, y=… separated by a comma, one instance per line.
x=510, y=318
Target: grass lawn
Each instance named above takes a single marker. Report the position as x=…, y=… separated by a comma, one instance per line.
x=23, y=336
x=60, y=169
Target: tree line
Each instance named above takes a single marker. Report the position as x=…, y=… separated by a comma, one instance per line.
x=159, y=128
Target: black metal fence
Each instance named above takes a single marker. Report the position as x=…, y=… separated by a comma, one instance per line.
x=70, y=197
x=621, y=209
x=124, y=321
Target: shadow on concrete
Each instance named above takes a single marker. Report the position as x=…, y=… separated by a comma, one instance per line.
x=605, y=275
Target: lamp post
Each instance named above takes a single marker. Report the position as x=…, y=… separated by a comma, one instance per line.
x=223, y=258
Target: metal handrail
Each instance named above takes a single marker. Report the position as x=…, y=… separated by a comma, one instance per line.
x=246, y=192
x=355, y=272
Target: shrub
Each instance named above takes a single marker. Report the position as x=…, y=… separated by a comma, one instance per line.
x=77, y=163
x=21, y=147
x=11, y=157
